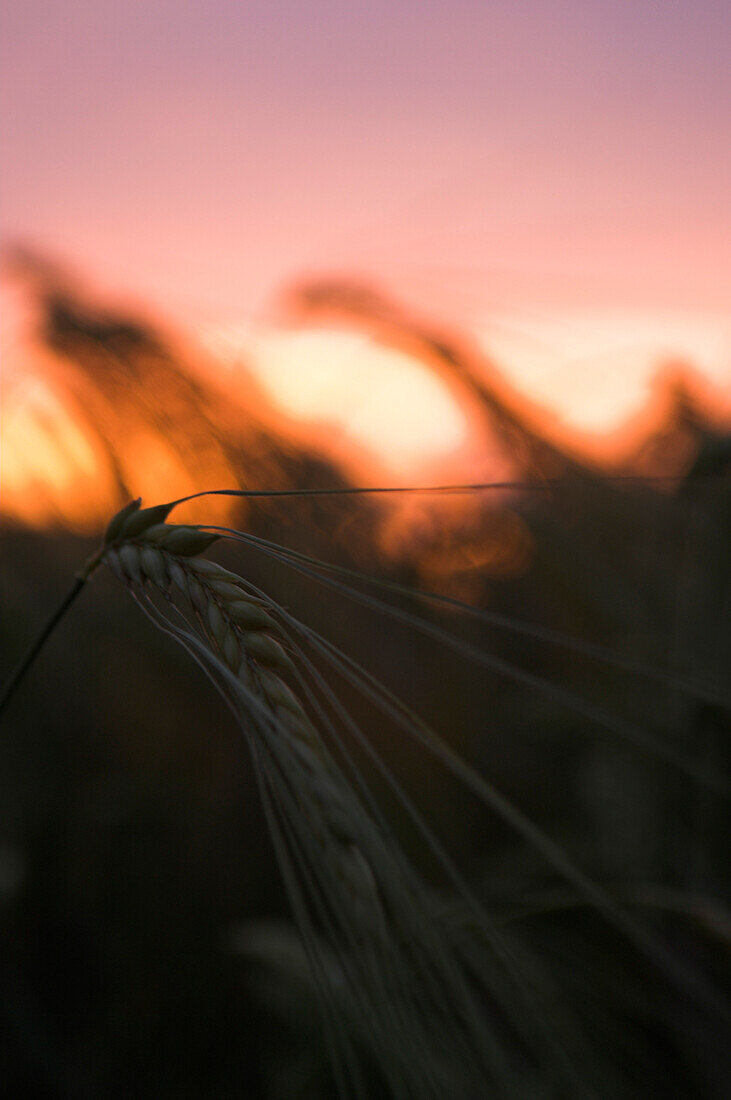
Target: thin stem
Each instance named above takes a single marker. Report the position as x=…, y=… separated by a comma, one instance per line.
x=26, y=664
x=444, y=490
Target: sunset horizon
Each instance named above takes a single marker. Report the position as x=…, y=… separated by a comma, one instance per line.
x=552, y=185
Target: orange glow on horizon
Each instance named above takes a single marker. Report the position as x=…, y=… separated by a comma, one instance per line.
x=381, y=399
x=382, y=412
x=51, y=472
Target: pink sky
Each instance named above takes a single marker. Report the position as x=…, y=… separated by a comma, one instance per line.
x=203, y=152
x=494, y=157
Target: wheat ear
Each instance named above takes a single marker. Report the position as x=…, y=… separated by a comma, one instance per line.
x=422, y=1024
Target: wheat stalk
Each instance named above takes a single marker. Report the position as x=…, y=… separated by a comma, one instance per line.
x=401, y=1003
x=407, y=991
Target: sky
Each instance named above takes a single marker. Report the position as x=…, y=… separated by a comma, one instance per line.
x=528, y=165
